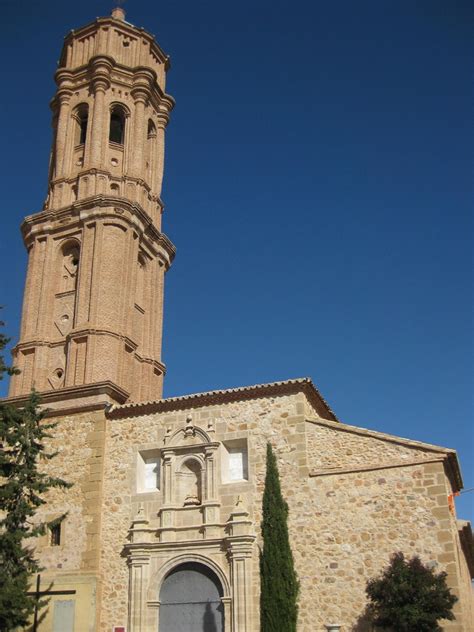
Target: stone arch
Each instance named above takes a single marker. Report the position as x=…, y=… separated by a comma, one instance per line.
x=191, y=599
x=160, y=574
x=190, y=457
x=118, y=116
x=81, y=116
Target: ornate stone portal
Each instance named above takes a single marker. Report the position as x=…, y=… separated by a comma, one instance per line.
x=188, y=529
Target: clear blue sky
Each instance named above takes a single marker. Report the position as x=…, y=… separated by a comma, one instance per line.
x=318, y=189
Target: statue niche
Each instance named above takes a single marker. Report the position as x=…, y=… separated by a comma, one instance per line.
x=69, y=266
x=65, y=298
x=189, y=483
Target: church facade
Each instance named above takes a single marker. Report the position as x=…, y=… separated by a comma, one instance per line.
x=162, y=526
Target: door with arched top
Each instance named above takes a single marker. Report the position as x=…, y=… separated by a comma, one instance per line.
x=191, y=600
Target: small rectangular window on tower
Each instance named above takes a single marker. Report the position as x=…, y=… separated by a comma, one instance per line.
x=55, y=534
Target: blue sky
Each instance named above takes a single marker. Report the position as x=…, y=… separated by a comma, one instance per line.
x=318, y=190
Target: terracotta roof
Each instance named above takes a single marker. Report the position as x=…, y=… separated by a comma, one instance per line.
x=287, y=387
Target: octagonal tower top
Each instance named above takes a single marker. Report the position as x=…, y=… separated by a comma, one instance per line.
x=112, y=36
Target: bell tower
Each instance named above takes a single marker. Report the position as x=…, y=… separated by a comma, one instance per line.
x=93, y=302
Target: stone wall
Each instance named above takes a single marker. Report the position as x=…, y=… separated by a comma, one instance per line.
x=355, y=497
x=79, y=442
x=376, y=497
x=344, y=525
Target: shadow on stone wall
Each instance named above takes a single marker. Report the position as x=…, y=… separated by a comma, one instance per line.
x=363, y=623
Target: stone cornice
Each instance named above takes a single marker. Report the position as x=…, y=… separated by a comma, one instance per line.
x=48, y=217
x=86, y=331
x=126, y=75
x=210, y=398
x=125, y=177
x=75, y=399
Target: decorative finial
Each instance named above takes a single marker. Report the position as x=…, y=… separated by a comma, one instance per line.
x=189, y=429
x=119, y=13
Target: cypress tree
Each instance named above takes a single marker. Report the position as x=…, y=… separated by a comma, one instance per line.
x=278, y=580
x=22, y=436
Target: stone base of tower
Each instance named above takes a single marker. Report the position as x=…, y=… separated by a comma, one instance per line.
x=77, y=398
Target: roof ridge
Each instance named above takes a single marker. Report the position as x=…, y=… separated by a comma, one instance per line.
x=377, y=434
x=167, y=402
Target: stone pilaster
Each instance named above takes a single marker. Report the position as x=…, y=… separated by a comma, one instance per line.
x=138, y=563
x=100, y=83
x=64, y=98
x=240, y=552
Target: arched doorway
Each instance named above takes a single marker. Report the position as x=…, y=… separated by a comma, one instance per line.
x=190, y=600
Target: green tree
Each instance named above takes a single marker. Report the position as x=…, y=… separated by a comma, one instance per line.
x=3, y=343
x=409, y=597
x=278, y=580
x=23, y=432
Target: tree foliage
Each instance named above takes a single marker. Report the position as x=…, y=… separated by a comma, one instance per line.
x=409, y=597
x=23, y=433
x=279, y=583
x=4, y=368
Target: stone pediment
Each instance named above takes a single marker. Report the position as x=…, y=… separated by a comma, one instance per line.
x=187, y=436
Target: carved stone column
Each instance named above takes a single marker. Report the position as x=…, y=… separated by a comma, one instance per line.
x=138, y=563
x=211, y=474
x=166, y=513
x=167, y=456
x=240, y=550
x=138, y=573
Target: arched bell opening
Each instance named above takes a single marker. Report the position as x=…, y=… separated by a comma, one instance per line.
x=81, y=115
x=191, y=600
x=117, y=125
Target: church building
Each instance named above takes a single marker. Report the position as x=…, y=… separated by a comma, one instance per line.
x=162, y=524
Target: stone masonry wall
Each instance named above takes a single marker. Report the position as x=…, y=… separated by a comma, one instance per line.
x=343, y=526
x=276, y=418
x=78, y=440
x=363, y=516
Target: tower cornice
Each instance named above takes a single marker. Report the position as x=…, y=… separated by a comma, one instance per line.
x=98, y=206
x=122, y=27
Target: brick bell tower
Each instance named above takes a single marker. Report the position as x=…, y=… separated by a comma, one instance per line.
x=91, y=326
